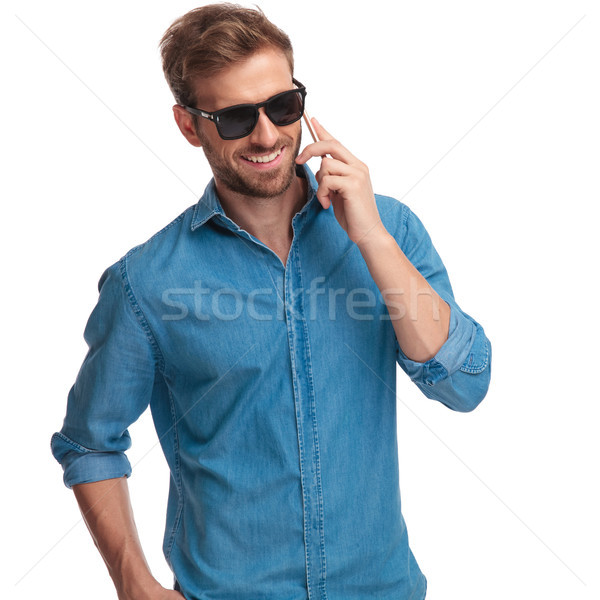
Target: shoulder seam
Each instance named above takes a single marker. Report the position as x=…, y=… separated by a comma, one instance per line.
x=402, y=224
x=160, y=232
x=158, y=356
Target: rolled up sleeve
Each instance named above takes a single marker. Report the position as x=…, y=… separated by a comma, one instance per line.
x=112, y=389
x=458, y=376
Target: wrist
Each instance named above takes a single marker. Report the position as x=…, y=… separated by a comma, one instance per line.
x=375, y=240
x=138, y=591
x=136, y=584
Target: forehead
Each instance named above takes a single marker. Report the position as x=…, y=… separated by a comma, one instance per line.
x=254, y=80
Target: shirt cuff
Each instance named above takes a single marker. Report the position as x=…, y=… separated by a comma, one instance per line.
x=458, y=352
x=82, y=465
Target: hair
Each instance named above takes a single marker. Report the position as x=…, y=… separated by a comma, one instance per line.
x=208, y=39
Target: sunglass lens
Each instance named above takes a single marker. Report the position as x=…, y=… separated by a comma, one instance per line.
x=237, y=122
x=286, y=108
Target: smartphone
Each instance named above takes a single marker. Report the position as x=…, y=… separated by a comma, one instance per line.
x=310, y=127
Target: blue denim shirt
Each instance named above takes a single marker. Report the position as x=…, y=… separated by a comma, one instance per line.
x=272, y=389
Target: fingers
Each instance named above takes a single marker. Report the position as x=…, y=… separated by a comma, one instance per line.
x=343, y=181
x=337, y=179
x=327, y=145
x=332, y=166
x=357, y=174
x=329, y=186
x=339, y=186
x=321, y=131
x=330, y=178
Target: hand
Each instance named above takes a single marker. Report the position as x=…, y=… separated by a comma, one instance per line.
x=344, y=182
x=170, y=595
x=158, y=592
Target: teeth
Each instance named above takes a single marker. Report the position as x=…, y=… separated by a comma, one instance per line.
x=263, y=159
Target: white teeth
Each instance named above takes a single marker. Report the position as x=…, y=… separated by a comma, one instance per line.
x=263, y=159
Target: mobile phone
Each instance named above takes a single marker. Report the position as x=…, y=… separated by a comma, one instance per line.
x=310, y=127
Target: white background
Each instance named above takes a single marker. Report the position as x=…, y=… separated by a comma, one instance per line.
x=482, y=116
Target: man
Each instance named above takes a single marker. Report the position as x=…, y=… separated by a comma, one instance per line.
x=263, y=327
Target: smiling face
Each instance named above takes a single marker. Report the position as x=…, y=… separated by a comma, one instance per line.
x=260, y=165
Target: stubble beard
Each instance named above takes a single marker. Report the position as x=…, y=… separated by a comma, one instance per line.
x=260, y=184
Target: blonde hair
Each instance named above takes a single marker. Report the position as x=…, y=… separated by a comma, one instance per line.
x=208, y=39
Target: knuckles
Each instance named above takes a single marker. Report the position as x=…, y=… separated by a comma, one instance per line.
x=327, y=163
x=358, y=178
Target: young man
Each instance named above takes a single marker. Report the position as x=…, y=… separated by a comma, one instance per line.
x=263, y=327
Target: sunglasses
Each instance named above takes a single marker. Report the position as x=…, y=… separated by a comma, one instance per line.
x=235, y=122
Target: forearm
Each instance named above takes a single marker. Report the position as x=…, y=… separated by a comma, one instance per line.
x=419, y=316
x=106, y=509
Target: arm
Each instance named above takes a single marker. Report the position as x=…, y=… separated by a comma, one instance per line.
x=420, y=317
x=107, y=512
x=112, y=390
x=443, y=350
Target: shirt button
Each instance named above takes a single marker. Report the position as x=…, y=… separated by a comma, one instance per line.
x=429, y=381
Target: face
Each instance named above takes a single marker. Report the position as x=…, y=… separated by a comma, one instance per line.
x=234, y=162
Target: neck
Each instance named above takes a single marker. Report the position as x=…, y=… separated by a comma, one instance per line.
x=268, y=219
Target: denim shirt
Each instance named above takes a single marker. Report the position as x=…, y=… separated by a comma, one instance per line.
x=272, y=390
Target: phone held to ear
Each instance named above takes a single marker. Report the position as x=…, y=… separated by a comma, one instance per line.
x=310, y=127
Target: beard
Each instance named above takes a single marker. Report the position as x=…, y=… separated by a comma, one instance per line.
x=258, y=184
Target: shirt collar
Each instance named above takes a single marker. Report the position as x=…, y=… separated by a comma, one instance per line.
x=209, y=205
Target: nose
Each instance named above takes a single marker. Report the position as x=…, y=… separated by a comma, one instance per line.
x=265, y=133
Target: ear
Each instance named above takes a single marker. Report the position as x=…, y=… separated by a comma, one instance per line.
x=185, y=123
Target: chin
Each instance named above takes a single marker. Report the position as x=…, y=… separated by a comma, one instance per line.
x=260, y=185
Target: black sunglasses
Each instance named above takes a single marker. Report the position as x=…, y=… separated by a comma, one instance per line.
x=235, y=122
